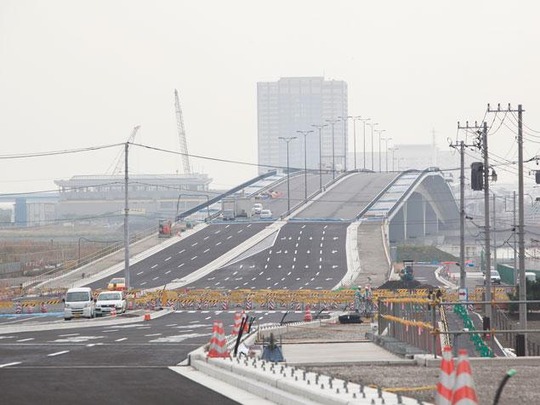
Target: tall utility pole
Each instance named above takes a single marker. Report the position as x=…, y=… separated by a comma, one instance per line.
x=521, y=219
x=126, y=219
x=462, y=215
x=364, y=120
x=320, y=127
x=305, y=133
x=483, y=145
x=486, y=221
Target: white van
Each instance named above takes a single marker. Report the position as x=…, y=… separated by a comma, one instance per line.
x=79, y=303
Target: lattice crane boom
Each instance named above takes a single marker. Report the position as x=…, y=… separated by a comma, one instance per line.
x=181, y=134
x=119, y=167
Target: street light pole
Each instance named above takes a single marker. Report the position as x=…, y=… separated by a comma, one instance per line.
x=345, y=120
x=333, y=123
x=372, y=125
x=320, y=127
x=288, y=140
x=305, y=133
x=379, y=132
x=386, y=151
x=364, y=120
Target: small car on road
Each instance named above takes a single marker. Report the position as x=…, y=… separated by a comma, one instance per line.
x=109, y=300
x=117, y=284
x=266, y=214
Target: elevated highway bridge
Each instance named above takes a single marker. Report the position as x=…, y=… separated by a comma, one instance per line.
x=340, y=235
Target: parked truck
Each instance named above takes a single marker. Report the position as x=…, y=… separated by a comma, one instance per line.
x=232, y=208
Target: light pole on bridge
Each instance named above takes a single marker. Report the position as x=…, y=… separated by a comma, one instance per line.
x=288, y=140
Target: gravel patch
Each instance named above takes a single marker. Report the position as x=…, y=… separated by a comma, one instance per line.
x=418, y=381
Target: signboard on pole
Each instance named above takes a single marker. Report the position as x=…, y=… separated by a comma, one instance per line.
x=463, y=294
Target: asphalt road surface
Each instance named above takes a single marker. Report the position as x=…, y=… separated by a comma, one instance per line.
x=302, y=256
x=112, y=363
x=186, y=256
x=347, y=199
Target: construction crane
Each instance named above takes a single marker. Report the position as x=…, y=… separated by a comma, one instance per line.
x=181, y=134
x=119, y=167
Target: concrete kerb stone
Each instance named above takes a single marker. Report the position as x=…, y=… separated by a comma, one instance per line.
x=266, y=380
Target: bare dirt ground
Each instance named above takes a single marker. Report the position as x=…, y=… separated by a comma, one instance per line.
x=419, y=381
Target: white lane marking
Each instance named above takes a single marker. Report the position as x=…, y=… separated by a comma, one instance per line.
x=260, y=274
x=326, y=226
x=171, y=325
x=180, y=265
x=120, y=340
x=9, y=364
x=110, y=330
x=58, y=353
x=167, y=272
x=241, y=230
x=155, y=278
x=69, y=334
x=206, y=238
x=143, y=283
x=219, y=243
x=336, y=237
x=294, y=259
x=321, y=245
x=254, y=278
x=308, y=252
x=265, y=266
x=182, y=251
x=317, y=273
x=296, y=251
x=289, y=273
x=153, y=334
x=235, y=273
x=25, y=340
x=206, y=251
x=322, y=237
x=320, y=252
x=154, y=266
x=229, y=237
x=168, y=258
x=140, y=272
x=195, y=244
x=194, y=257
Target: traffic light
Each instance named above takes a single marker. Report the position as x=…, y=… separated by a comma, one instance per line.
x=477, y=173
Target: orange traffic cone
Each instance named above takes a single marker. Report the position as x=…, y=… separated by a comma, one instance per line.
x=307, y=315
x=445, y=386
x=464, y=391
x=218, y=344
x=147, y=316
x=237, y=323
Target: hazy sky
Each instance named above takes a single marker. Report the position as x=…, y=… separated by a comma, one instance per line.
x=84, y=73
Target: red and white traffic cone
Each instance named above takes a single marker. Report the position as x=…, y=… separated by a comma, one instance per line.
x=307, y=315
x=113, y=311
x=237, y=323
x=447, y=377
x=464, y=391
x=218, y=343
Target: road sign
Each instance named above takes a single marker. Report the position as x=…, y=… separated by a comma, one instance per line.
x=463, y=294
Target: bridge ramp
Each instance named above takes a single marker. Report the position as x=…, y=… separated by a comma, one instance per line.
x=373, y=254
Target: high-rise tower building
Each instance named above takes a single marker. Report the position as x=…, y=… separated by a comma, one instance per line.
x=296, y=104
